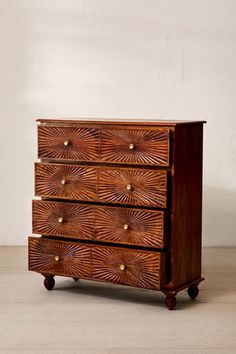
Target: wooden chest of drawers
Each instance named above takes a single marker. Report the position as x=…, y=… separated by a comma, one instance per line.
x=121, y=202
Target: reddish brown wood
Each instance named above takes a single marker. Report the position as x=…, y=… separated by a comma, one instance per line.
x=119, y=122
x=147, y=188
x=170, y=300
x=129, y=267
x=186, y=205
x=110, y=224
x=146, y=147
x=59, y=257
x=81, y=143
x=65, y=181
x=103, y=263
x=130, y=226
x=161, y=170
x=63, y=219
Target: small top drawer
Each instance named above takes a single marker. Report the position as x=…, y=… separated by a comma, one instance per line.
x=133, y=146
x=68, y=143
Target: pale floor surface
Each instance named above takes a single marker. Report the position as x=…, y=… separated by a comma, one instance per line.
x=94, y=318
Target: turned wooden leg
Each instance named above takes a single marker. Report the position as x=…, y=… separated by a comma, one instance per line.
x=49, y=282
x=193, y=292
x=76, y=279
x=170, y=300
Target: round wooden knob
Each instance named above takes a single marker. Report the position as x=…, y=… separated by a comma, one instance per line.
x=57, y=258
x=122, y=267
x=66, y=142
x=131, y=146
x=63, y=181
x=60, y=219
x=128, y=187
x=125, y=226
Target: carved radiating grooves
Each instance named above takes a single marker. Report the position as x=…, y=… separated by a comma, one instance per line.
x=83, y=143
x=148, y=187
x=150, y=146
x=74, y=259
x=141, y=269
x=145, y=228
x=80, y=182
x=77, y=220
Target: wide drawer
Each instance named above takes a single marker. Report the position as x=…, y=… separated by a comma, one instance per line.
x=128, y=146
x=112, y=185
x=143, y=269
x=133, y=146
x=101, y=223
x=68, y=143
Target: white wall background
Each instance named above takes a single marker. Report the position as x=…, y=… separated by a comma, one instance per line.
x=117, y=58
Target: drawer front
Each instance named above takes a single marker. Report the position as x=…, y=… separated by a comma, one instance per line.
x=63, y=219
x=131, y=146
x=103, y=263
x=68, y=143
x=109, y=224
x=133, y=186
x=121, y=186
x=65, y=181
x=59, y=257
x=128, y=267
x=130, y=226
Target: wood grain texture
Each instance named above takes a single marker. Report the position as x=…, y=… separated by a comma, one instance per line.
x=77, y=220
x=130, y=226
x=74, y=259
x=119, y=122
x=142, y=269
x=101, y=223
x=186, y=205
x=83, y=143
x=149, y=147
x=148, y=188
x=80, y=182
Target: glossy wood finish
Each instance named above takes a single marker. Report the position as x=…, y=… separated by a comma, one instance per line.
x=66, y=181
x=92, y=222
x=59, y=257
x=133, y=187
x=103, y=263
x=146, y=147
x=68, y=143
x=128, y=267
x=156, y=123
x=63, y=219
x=130, y=226
x=100, y=184
x=186, y=205
x=136, y=185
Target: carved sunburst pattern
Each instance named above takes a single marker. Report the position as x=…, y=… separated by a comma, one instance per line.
x=77, y=220
x=141, y=269
x=74, y=259
x=82, y=143
x=130, y=226
x=148, y=188
x=80, y=182
x=150, y=146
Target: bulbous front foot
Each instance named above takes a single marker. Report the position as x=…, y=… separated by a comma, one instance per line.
x=193, y=292
x=170, y=300
x=49, y=282
x=76, y=279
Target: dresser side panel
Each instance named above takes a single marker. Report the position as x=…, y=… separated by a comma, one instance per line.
x=186, y=204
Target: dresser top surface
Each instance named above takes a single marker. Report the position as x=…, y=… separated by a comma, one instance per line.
x=119, y=121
